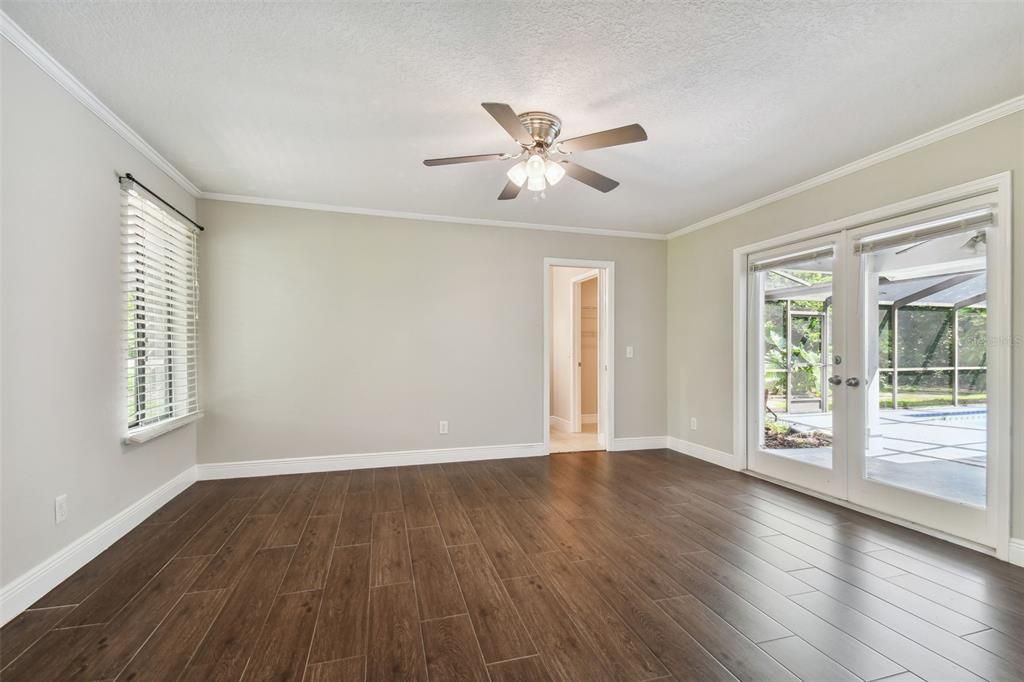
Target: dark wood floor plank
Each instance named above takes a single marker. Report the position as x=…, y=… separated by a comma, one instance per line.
x=233, y=634
x=343, y=621
x=530, y=669
x=560, y=560
x=959, y=650
x=130, y=577
x=737, y=555
x=944, y=617
x=387, y=495
x=112, y=647
x=817, y=551
x=527, y=532
x=622, y=652
x=395, y=650
x=310, y=561
x=651, y=579
x=734, y=651
x=806, y=662
x=332, y=494
x=565, y=650
x=276, y=495
x=226, y=566
x=757, y=546
x=292, y=519
x=47, y=658
x=83, y=582
x=832, y=641
x=452, y=518
x=906, y=652
x=989, y=614
x=732, y=608
x=437, y=588
x=570, y=541
x=356, y=518
x=496, y=622
x=27, y=628
x=218, y=529
x=283, y=645
x=992, y=591
x=465, y=488
x=677, y=651
x=415, y=499
x=168, y=651
x=389, y=550
x=182, y=502
x=505, y=553
x=1005, y=646
x=348, y=670
x=451, y=650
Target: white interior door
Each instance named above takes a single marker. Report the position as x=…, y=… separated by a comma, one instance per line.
x=796, y=346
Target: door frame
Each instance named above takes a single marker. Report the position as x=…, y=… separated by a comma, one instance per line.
x=576, y=390
x=1000, y=408
x=606, y=380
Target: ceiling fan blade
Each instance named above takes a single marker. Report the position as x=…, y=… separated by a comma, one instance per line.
x=511, y=191
x=605, y=138
x=589, y=177
x=462, y=159
x=508, y=120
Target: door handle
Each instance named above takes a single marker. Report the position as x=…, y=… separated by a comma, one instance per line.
x=853, y=382
x=835, y=380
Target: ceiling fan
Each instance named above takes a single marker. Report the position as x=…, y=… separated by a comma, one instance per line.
x=546, y=161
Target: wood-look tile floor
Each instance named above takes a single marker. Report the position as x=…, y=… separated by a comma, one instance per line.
x=596, y=566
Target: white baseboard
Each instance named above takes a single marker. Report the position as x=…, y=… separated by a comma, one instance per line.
x=24, y=590
x=722, y=459
x=588, y=418
x=1016, y=551
x=559, y=424
x=373, y=460
x=637, y=443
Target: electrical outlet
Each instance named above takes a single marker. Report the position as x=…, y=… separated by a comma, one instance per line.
x=693, y=423
x=442, y=427
x=629, y=351
x=60, y=508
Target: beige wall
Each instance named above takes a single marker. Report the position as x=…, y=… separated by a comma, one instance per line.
x=327, y=333
x=700, y=364
x=61, y=390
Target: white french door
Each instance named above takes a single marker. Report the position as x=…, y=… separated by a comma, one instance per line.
x=875, y=370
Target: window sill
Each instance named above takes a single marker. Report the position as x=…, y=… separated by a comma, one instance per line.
x=157, y=430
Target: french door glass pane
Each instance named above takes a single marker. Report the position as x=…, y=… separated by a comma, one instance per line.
x=926, y=366
x=797, y=360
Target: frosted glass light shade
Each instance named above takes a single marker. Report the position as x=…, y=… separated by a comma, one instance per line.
x=553, y=172
x=517, y=173
x=536, y=184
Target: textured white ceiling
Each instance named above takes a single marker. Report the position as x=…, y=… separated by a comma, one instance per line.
x=338, y=103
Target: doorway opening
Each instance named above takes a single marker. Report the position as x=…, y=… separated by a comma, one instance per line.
x=576, y=419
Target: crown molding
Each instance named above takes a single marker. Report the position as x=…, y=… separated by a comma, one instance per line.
x=1010, y=106
x=50, y=66
x=429, y=217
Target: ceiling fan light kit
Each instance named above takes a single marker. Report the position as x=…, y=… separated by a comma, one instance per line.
x=536, y=133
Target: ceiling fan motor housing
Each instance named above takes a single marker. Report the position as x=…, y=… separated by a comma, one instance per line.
x=542, y=126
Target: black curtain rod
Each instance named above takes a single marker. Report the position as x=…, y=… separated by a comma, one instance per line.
x=129, y=176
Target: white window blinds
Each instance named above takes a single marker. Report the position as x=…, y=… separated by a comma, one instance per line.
x=160, y=284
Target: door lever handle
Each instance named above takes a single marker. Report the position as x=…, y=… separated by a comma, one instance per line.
x=835, y=380
x=853, y=382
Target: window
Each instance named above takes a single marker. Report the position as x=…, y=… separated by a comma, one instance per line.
x=160, y=281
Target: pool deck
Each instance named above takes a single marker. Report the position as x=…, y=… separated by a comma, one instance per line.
x=939, y=450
